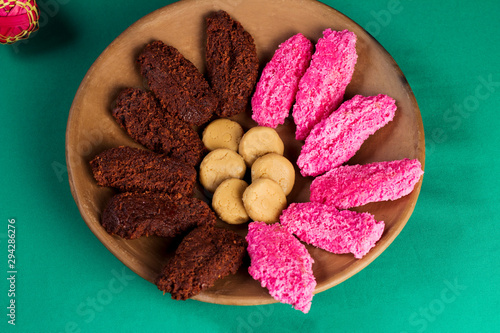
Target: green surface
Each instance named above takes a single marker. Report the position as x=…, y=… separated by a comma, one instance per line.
x=441, y=274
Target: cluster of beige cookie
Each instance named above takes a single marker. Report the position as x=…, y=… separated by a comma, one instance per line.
x=223, y=169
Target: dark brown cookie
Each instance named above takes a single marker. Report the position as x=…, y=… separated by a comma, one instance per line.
x=132, y=215
x=177, y=83
x=139, y=113
x=136, y=170
x=232, y=63
x=205, y=255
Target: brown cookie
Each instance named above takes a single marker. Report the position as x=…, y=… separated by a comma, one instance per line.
x=139, y=113
x=177, y=83
x=132, y=215
x=136, y=170
x=205, y=255
x=232, y=63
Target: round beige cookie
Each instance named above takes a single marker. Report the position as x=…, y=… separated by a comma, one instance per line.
x=275, y=167
x=219, y=165
x=264, y=200
x=222, y=133
x=259, y=141
x=228, y=201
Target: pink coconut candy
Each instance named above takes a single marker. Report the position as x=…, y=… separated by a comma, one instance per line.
x=337, y=138
x=282, y=264
x=322, y=88
x=355, y=185
x=332, y=230
x=278, y=84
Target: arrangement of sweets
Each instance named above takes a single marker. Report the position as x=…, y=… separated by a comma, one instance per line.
x=223, y=169
x=157, y=184
x=333, y=133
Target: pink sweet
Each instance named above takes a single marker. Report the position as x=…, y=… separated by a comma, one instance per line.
x=278, y=84
x=282, y=264
x=337, y=138
x=322, y=88
x=332, y=230
x=356, y=185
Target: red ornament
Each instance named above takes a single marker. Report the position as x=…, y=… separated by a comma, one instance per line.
x=18, y=18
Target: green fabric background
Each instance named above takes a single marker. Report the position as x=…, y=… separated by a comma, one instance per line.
x=441, y=274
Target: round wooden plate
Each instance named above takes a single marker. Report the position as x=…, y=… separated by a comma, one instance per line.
x=91, y=128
